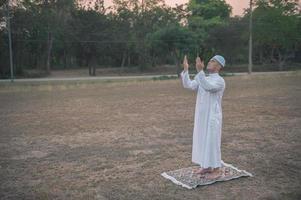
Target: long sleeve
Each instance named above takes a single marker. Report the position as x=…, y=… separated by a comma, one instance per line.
x=187, y=82
x=209, y=85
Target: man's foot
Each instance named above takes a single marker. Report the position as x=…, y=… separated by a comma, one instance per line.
x=202, y=170
x=217, y=173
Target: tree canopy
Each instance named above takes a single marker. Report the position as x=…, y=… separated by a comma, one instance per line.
x=62, y=34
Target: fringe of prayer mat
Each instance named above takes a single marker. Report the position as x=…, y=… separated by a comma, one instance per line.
x=187, y=179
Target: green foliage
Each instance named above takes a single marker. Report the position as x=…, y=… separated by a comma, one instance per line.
x=173, y=40
x=56, y=34
x=229, y=40
x=206, y=17
x=210, y=9
x=165, y=77
x=277, y=29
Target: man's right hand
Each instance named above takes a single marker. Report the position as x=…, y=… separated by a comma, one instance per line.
x=185, y=63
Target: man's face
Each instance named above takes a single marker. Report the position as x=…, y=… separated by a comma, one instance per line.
x=213, y=66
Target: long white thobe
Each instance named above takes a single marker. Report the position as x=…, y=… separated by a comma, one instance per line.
x=206, y=144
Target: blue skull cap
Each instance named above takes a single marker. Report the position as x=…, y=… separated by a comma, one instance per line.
x=219, y=59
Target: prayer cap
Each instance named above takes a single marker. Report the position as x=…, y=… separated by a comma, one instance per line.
x=219, y=59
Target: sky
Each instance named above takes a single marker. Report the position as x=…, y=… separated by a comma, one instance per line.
x=237, y=5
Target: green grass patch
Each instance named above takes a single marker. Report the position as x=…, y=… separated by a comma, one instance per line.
x=165, y=77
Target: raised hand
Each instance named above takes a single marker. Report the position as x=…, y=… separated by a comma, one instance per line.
x=199, y=64
x=185, y=63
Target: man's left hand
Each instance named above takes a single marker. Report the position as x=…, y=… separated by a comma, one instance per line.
x=199, y=64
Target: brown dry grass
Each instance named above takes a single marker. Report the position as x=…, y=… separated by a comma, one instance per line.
x=112, y=140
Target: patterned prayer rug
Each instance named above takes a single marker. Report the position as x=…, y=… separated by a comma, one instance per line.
x=186, y=178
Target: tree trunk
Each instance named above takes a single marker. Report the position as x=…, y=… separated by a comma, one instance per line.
x=261, y=55
x=65, y=59
x=87, y=63
x=123, y=59
x=176, y=61
x=94, y=69
x=49, y=49
x=90, y=71
x=129, y=60
x=282, y=59
x=272, y=55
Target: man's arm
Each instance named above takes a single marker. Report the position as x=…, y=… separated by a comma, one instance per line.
x=211, y=86
x=187, y=82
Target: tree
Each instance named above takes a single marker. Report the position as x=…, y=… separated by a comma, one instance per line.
x=36, y=24
x=136, y=20
x=174, y=40
x=89, y=33
x=276, y=29
x=230, y=40
x=204, y=17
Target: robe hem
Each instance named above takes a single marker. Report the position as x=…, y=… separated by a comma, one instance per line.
x=209, y=165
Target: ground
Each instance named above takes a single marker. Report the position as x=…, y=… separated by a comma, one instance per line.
x=111, y=140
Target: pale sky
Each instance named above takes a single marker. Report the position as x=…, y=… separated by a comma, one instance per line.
x=237, y=5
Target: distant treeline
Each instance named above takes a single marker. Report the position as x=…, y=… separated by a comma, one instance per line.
x=62, y=34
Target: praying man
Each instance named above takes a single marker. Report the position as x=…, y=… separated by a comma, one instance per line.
x=206, y=145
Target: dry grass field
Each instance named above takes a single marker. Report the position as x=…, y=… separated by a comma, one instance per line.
x=111, y=140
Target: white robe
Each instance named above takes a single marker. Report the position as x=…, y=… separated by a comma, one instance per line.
x=206, y=144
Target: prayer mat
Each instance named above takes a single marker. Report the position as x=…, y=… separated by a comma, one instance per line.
x=186, y=178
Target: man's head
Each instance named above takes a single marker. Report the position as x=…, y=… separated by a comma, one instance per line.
x=216, y=63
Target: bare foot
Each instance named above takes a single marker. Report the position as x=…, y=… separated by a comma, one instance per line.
x=202, y=170
x=227, y=172
x=215, y=174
